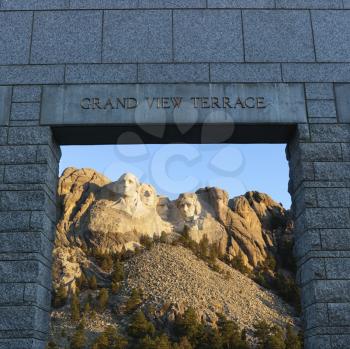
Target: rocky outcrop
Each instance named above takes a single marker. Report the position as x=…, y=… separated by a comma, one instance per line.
x=110, y=216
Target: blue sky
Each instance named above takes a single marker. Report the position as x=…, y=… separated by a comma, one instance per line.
x=175, y=168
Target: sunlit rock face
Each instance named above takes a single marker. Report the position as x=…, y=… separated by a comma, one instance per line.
x=111, y=216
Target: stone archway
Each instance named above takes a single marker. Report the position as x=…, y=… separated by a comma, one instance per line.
x=190, y=43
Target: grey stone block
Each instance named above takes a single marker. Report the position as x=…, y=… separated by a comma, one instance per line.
x=44, y=222
x=335, y=239
x=103, y=4
x=29, y=135
x=302, y=198
x=25, y=271
x=241, y=3
x=317, y=72
x=193, y=44
x=309, y=241
x=303, y=132
x=346, y=151
x=318, y=342
x=106, y=73
x=29, y=173
x=339, y=314
x=340, y=341
x=320, y=151
x=172, y=4
x=343, y=104
x=15, y=33
x=330, y=133
x=321, y=109
x=332, y=35
x=2, y=170
x=322, y=120
x=315, y=316
x=14, y=221
x=333, y=197
x=17, y=154
x=11, y=293
x=326, y=291
x=157, y=73
x=23, y=318
x=346, y=4
x=45, y=155
x=338, y=268
x=34, y=4
x=31, y=74
x=22, y=200
x=331, y=218
x=26, y=242
x=37, y=294
x=277, y=36
x=20, y=343
x=245, y=72
x=145, y=36
x=3, y=135
x=309, y=4
x=332, y=170
x=303, y=171
x=312, y=269
x=25, y=111
x=81, y=45
x=319, y=91
x=26, y=94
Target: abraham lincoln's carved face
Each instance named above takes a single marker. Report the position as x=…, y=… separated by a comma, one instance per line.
x=188, y=206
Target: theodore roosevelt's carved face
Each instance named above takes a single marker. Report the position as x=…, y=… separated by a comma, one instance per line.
x=128, y=185
x=188, y=206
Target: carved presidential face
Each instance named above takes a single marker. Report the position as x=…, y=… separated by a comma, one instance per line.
x=128, y=185
x=188, y=206
x=148, y=195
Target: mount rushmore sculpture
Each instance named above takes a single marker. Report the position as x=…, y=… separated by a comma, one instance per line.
x=112, y=216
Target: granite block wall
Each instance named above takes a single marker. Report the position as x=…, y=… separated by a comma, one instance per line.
x=172, y=41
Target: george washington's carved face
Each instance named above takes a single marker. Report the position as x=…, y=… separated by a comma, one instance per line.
x=188, y=206
x=128, y=185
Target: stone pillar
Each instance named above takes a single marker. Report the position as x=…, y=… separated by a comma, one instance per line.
x=319, y=159
x=29, y=160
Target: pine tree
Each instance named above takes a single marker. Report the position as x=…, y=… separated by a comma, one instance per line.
x=75, y=308
x=140, y=327
x=162, y=342
x=134, y=301
x=101, y=342
x=93, y=282
x=78, y=340
x=231, y=336
x=292, y=339
x=102, y=299
x=275, y=339
x=82, y=282
x=183, y=344
x=146, y=343
x=117, y=276
x=187, y=325
x=87, y=309
x=60, y=297
x=51, y=345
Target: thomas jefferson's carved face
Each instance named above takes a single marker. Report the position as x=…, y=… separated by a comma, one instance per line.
x=128, y=184
x=148, y=195
x=188, y=206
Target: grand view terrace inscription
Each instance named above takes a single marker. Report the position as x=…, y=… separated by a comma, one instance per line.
x=172, y=104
